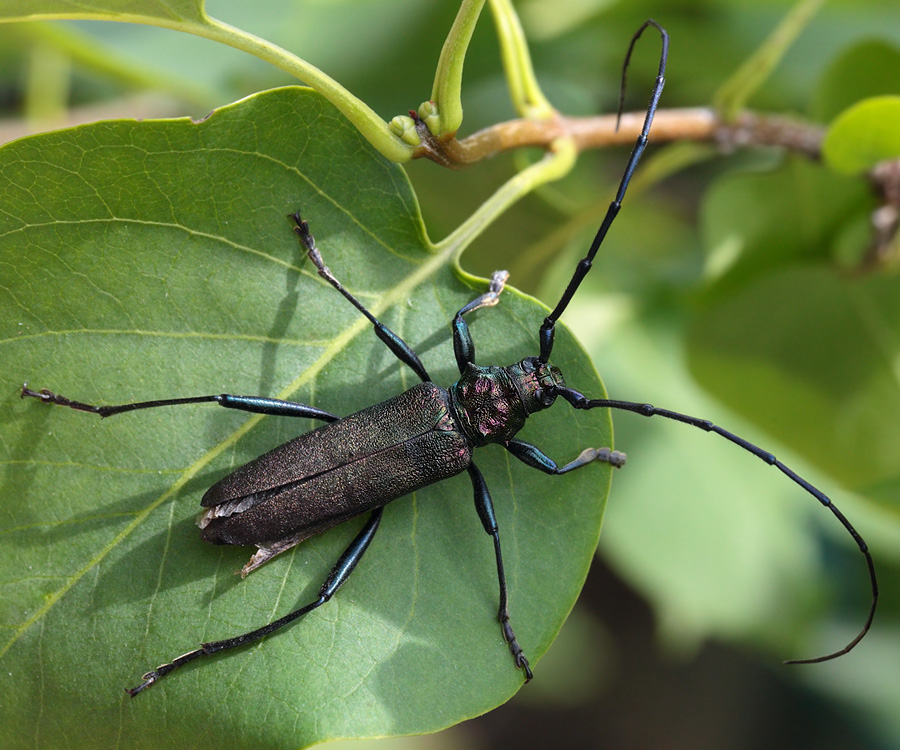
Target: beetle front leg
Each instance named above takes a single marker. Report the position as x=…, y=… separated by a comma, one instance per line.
x=463, y=347
x=485, y=507
x=336, y=578
x=537, y=459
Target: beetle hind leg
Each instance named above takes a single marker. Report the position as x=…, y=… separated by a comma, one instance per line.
x=336, y=578
x=264, y=554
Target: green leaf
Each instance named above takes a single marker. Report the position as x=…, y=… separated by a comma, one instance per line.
x=145, y=260
x=812, y=357
x=788, y=343
x=864, y=135
x=757, y=222
x=864, y=70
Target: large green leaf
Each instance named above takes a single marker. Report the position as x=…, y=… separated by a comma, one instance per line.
x=786, y=342
x=754, y=223
x=812, y=356
x=153, y=259
x=794, y=346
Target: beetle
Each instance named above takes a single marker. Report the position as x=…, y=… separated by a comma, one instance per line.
x=359, y=463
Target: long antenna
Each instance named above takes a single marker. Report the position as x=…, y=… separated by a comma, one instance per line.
x=584, y=265
x=579, y=401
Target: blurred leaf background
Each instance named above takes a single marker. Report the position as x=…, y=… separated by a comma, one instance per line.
x=732, y=290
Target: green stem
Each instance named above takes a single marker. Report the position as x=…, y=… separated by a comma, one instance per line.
x=91, y=53
x=731, y=97
x=447, y=89
x=364, y=118
x=47, y=88
x=556, y=163
x=524, y=89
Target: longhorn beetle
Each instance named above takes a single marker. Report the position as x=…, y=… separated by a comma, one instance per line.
x=362, y=462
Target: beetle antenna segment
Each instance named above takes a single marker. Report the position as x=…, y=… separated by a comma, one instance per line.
x=662, y=64
x=579, y=401
x=252, y=404
x=584, y=265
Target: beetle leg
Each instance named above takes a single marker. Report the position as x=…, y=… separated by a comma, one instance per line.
x=485, y=508
x=463, y=347
x=264, y=554
x=537, y=459
x=397, y=345
x=253, y=404
x=336, y=578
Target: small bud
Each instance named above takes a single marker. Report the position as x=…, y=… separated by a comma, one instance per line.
x=430, y=115
x=405, y=129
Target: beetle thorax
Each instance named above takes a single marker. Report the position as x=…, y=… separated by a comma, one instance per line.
x=492, y=403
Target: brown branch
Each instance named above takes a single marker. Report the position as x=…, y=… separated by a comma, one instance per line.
x=692, y=124
x=885, y=247
x=749, y=129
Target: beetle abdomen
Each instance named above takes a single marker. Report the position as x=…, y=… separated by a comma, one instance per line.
x=337, y=471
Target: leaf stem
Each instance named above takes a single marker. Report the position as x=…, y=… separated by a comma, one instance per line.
x=526, y=94
x=91, y=53
x=556, y=163
x=364, y=118
x=447, y=89
x=731, y=97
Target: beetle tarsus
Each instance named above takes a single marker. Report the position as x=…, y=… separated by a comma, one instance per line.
x=522, y=663
x=149, y=679
x=49, y=397
x=161, y=671
x=514, y=648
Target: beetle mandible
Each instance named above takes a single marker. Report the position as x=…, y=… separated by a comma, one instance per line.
x=361, y=462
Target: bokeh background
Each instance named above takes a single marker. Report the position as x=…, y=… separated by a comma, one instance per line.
x=731, y=288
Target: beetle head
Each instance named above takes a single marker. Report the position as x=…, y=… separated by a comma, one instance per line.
x=536, y=383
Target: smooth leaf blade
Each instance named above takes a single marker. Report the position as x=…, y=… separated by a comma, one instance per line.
x=863, y=135
x=754, y=223
x=154, y=259
x=864, y=70
x=769, y=351
x=788, y=343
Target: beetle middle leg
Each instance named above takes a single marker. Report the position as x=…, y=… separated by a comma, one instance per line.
x=336, y=578
x=485, y=507
x=535, y=458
